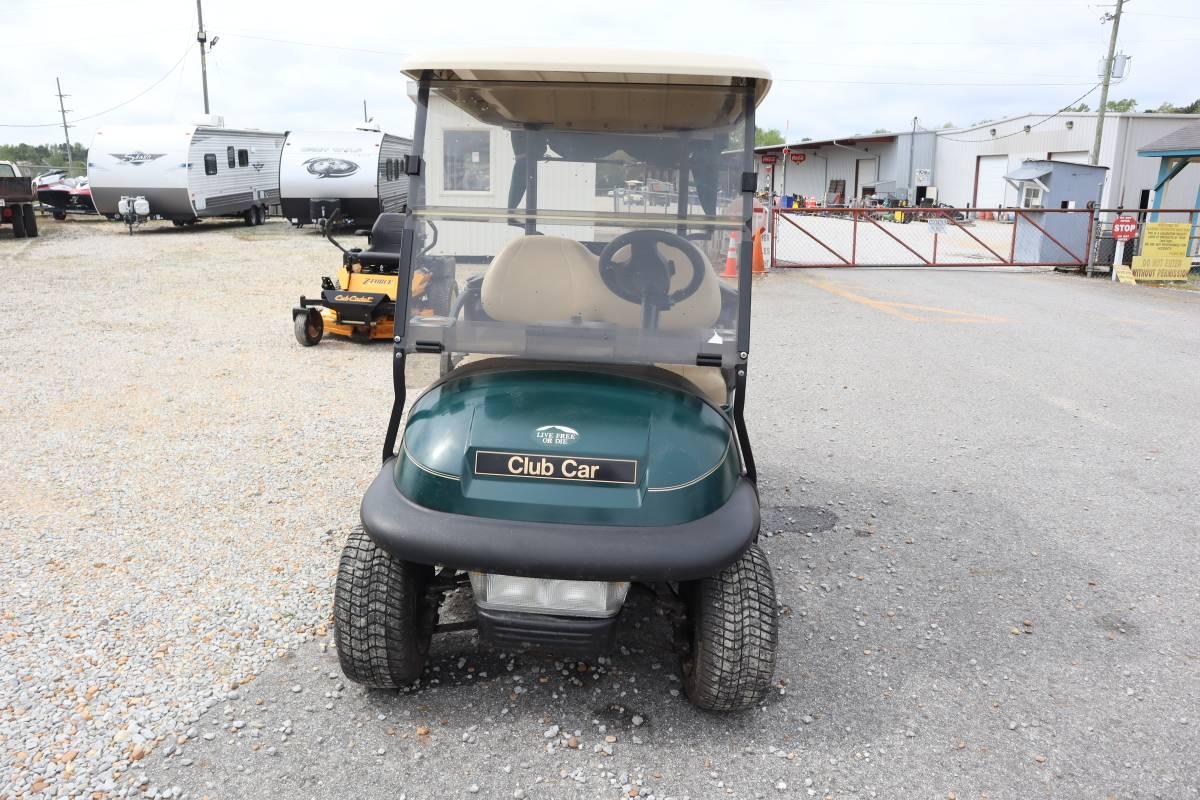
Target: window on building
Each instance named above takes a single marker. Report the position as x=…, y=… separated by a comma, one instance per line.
x=243, y=158
x=467, y=161
x=210, y=163
x=231, y=156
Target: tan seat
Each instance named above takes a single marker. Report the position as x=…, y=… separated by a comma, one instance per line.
x=555, y=279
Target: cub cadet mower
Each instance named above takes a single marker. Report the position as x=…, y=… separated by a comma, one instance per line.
x=361, y=304
x=600, y=441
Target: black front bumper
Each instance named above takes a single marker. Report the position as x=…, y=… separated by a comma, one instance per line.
x=688, y=551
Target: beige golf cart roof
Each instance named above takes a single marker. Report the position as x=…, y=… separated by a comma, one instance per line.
x=640, y=108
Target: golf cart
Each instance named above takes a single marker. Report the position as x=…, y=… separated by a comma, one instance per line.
x=589, y=435
x=361, y=304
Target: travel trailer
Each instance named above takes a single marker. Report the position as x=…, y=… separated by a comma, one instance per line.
x=187, y=172
x=356, y=172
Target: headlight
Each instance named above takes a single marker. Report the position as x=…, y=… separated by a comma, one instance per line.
x=548, y=596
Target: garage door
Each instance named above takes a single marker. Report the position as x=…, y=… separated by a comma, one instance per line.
x=989, y=181
x=867, y=174
x=1073, y=156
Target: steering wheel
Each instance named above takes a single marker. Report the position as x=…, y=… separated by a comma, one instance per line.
x=645, y=278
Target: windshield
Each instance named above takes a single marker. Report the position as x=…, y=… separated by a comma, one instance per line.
x=587, y=221
x=7, y=171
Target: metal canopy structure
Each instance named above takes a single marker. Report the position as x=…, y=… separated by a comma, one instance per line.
x=1175, y=151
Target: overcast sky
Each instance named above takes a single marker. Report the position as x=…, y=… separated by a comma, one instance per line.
x=840, y=66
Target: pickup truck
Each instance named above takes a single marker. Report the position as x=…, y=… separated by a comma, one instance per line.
x=17, y=197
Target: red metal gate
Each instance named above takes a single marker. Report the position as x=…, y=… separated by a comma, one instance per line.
x=931, y=237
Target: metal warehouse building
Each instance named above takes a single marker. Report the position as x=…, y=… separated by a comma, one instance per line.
x=966, y=166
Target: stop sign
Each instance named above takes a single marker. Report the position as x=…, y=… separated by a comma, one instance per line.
x=1124, y=228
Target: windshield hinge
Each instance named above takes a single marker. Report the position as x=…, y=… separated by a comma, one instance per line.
x=708, y=360
x=428, y=347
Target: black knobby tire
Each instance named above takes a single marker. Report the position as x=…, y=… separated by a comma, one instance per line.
x=30, y=221
x=440, y=296
x=18, y=223
x=309, y=328
x=734, y=635
x=383, y=621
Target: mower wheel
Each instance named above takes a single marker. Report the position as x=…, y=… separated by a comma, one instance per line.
x=309, y=328
x=440, y=296
x=179, y=223
x=360, y=334
x=30, y=221
x=383, y=620
x=734, y=633
x=59, y=215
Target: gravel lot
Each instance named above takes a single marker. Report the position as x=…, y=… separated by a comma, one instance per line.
x=980, y=490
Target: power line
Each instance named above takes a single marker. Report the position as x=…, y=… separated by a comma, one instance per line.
x=114, y=108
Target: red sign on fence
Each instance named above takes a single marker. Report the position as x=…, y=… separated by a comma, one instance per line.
x=1124, y=228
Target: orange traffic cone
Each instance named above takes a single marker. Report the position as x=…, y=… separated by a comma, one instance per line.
x=731, y=258
x=760, y=267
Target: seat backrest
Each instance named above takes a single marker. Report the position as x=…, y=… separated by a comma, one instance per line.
x=553, y=278
x=536, y=279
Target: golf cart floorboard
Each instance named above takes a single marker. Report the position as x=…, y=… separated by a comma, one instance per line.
x=687, y=551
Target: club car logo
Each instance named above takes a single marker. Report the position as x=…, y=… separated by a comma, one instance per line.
x=556, y=435
x=136, y=158
x=330, y=167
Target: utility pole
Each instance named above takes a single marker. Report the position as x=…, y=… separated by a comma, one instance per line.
x=202, y=38
x=365, y=118
x=912, y=168
x=1115, y=17
x=62, y=109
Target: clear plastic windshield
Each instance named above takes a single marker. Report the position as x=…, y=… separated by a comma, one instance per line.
x=587, y=221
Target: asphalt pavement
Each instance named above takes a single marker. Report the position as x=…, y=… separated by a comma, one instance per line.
x=979, y=493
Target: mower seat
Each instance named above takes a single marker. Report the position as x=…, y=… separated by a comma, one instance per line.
x=387, y=238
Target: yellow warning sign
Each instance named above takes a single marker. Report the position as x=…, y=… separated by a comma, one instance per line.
x=1166, y=239
x=1161, y=268
x=1125, y=274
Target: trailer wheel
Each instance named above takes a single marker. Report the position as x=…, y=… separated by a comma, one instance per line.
x=18, y=223
x=258, y=215
x=59, y=215
x=179, y=223
x=309, y=327
x=382, y=618
x=30, y=221
x=734, y=633
x=248, y=216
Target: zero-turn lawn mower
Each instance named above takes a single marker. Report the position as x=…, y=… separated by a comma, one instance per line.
x=590, y=439
x=361, y=302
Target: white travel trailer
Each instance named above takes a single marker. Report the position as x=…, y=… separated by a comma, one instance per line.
x=357, y=172
x=187, y=172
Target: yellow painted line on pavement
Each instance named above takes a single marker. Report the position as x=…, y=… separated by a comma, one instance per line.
x=905, y=310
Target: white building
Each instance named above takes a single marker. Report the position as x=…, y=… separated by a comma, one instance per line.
x=966, y=166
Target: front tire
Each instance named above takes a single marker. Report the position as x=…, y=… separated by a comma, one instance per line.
x=309, y=328
x=383, y=621
x=734, y=635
